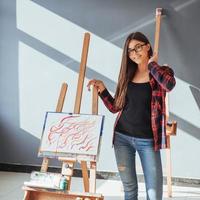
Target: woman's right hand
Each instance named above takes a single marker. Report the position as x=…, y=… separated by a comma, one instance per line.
x=98, y=84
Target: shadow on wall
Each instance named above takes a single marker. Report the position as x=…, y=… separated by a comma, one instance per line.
x=26, y=146
x=179, y=27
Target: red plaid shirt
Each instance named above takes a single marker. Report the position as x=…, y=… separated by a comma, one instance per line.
x=161, y=80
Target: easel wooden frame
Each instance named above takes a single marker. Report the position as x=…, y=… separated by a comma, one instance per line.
x=170, y=127
x=68, y=163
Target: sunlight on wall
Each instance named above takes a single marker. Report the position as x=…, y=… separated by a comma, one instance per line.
x=40, y=77
x=67, y=37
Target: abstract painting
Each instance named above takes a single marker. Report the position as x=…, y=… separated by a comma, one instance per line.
x=67, y=133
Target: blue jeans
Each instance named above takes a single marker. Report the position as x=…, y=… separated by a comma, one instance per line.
x=125, y=148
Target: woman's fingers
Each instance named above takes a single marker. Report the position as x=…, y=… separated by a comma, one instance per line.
x=95, y=83
x=88, y=85
x=91, y=82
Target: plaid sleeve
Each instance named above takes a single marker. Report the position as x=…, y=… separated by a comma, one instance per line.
x=108, y=101
x=164, y=75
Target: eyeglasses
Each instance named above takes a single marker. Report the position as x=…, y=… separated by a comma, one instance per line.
x=138, y=48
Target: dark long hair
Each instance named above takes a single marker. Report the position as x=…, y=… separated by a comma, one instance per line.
x=128, y=69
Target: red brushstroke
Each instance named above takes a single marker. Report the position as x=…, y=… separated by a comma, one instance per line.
x=73, y=134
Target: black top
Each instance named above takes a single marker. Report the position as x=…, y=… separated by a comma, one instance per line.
x=135, y=119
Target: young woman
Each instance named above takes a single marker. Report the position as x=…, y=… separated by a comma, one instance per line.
x=140, y=124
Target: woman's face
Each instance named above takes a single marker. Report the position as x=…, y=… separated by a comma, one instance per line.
x=138, y=51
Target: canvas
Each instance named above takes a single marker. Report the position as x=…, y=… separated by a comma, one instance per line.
x=67, y=133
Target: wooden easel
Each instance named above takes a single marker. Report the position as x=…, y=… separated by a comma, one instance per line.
x=170, y=127
x=68, y=162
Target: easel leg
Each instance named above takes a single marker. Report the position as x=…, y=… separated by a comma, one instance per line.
x=169, y=171
x=93, y=177
x=85, y=175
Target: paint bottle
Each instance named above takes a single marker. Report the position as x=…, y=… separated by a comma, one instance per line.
x=63, y=183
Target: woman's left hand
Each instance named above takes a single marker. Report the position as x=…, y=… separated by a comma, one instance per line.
x=153, y=58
